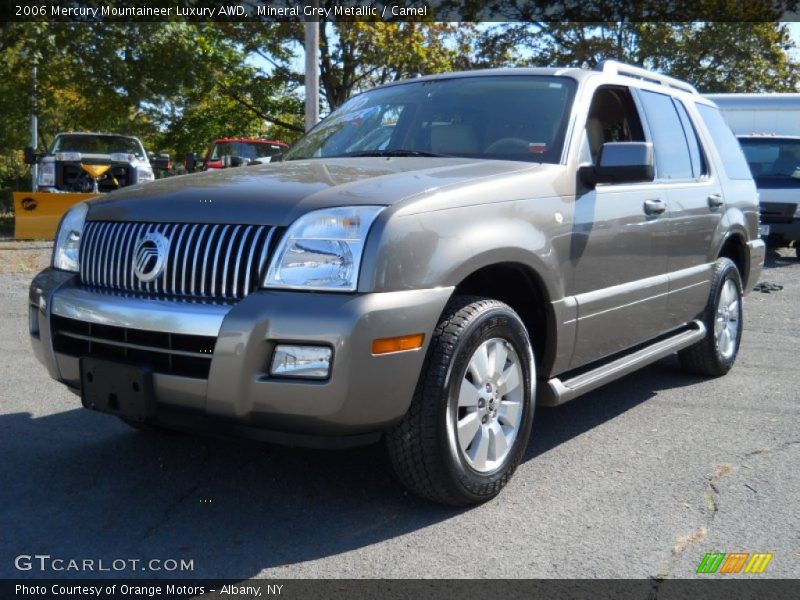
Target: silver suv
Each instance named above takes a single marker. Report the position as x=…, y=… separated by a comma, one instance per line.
x=425, y=265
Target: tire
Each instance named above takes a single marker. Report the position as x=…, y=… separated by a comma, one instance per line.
x=715, y=354
x=494, y=418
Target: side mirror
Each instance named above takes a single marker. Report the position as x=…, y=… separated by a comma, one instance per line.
x=30, y=155
x=190, y=162
x=620, y=162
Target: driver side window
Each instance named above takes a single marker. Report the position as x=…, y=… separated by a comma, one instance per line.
x=612, y=118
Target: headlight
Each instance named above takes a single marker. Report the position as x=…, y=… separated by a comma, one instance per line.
x=68, y=240
x=797, y=212
x=322, y=250
x=145, y=173
x=47, y=174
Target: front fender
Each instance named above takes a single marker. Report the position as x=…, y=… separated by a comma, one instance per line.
x=442, y=248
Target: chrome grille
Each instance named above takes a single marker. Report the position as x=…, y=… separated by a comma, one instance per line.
x=221, y=262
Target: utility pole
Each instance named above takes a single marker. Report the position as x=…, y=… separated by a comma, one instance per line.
x=312, y=68
x=34, y=121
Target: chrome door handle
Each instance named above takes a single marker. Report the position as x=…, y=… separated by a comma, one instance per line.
x=715, y=200
x=654, y=206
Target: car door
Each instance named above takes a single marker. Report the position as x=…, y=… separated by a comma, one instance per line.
x=619, y=245
x=695, y=206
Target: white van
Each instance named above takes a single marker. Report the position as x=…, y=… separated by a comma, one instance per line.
x=768, y=128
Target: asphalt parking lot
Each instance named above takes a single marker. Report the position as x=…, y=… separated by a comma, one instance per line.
x=639, y=479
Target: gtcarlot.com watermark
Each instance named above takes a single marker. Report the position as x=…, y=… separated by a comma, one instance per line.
x=45, y=563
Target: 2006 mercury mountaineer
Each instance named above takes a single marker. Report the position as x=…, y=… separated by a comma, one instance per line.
x=428, y=262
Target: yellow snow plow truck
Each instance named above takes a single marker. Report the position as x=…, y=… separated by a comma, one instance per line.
x=77, y=166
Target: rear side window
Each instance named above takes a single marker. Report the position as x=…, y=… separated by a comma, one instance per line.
x=698, y=160
x=730, y=152
x=673, y=160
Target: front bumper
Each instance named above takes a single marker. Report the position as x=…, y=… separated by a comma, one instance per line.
x=364, y=394
x=757, y=250
x=781, y=234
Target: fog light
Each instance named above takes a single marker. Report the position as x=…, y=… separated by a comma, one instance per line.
x=307, y=362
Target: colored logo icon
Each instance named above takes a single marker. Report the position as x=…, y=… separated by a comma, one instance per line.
x=734, y=562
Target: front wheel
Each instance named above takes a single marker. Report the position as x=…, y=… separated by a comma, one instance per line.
x=715, y=354
x=470, y=419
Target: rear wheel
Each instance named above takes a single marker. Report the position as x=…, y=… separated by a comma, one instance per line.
x=715, y=354
x=471, y=415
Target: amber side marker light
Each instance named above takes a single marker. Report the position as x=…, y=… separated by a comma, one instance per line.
x=398, y=344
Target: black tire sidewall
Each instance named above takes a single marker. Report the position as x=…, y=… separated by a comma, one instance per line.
x=495, y=322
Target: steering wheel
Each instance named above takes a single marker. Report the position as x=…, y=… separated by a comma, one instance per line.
x=507, y=145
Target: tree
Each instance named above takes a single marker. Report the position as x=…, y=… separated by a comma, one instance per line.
x=355, y=56
x=714, y=56
x=175, y=85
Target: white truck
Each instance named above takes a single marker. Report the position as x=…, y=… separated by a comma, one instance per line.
x=768, y=128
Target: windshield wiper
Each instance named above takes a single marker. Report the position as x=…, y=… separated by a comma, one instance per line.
x=392, y=153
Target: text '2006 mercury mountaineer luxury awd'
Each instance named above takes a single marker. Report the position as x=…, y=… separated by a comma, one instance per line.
x=425, y=265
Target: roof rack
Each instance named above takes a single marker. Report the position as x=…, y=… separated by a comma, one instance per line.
x=613, y=67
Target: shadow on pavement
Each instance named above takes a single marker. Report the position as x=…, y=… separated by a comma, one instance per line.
x=82, y=485
x=554, y=426
x=784, y=258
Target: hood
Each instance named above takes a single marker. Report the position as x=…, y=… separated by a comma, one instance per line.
x=277, y=193
x=95, y=159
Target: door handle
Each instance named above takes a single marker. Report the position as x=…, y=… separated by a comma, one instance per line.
x=715, y=200
x=654, y=206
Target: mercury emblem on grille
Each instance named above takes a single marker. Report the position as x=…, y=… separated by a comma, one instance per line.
x=150, y=256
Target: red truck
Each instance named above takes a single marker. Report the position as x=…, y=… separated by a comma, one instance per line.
x=235, y=152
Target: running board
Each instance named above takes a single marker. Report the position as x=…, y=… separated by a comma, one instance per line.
x=556, y=392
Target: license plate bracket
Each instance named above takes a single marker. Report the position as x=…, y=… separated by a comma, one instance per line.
x=119, y=389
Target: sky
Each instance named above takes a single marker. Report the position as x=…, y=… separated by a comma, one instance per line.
x=794, y=30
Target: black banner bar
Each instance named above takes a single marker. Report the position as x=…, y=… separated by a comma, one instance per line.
x=704, y=587
x=266, y=11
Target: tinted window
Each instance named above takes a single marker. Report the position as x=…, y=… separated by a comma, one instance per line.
x=97, y=144
x=506, y=117
x=251, y=150
x=698, y=160
x=729, y=151
x=774, y=162
x=669, y=143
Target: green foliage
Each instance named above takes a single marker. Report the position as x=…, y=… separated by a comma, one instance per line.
x=175, y=85
x=355, y=56
x=714, y=56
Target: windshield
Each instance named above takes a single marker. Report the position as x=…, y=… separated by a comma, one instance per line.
x=773, y=160
x=249, y=150
x=98, y=144
x=516, y=117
